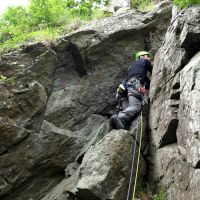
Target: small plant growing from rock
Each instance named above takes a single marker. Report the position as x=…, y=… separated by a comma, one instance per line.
x=160, y=196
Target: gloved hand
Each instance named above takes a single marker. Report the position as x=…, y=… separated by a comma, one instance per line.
x=121, y=89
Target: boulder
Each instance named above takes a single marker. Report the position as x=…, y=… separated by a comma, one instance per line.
x=105, y=170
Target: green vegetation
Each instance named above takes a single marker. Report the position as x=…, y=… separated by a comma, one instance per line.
x=148, y=5
x=44, y=20
x=142, y=193
x=160, y=196
x=5, y=80
x=2, y=79
x=143, y=5
x=185, y=3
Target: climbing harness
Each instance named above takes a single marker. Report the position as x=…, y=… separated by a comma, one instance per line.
x=133, y=160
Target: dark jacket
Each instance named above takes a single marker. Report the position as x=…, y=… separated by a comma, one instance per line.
x=139, y=69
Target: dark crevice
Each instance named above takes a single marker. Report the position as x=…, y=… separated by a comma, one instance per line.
x=85, y=194
x=198, y=165
x=78, y=60
x=71, y=195
x=193, y=85
x=196, y=134
x=175, y=95
x=170, y=135
x=38, y=181
x=186, y=188
x=80, y=158
x=162, y=87
x=184, y=62
x=175, y=105
x=194, y=77
x=176, y=86
x=4, y=152
x=191, y=46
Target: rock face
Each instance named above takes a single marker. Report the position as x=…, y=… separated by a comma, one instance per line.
x=54, y=112
x=105, y=169
x=174, y=114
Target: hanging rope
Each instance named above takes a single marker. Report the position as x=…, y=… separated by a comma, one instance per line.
x=133, y=160
x=132, y=165
x=138, y=160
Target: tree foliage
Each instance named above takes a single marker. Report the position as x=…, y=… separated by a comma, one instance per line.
x=48, y=16
x=13, y=22
x=46, y=12
x=186, y=3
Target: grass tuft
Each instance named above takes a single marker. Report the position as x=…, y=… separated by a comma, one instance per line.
x=146, y=7
x=160, y=196
x=46, y=36
x=143, y=5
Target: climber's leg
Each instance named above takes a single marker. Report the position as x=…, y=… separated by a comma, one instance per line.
x=116, y=123
x=134, y=106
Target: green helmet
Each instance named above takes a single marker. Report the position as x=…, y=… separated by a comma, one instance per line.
x=141, y=53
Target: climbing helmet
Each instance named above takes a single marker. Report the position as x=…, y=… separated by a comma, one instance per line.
x=141, y=53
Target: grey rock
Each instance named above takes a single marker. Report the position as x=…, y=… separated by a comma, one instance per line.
x=164, y=122
x=169, y=170
x=94, y=130
x=46, y=154
x=189, y=115
x=105, y=169
x=174, y=113
x=40, y=160
x=194, y=182
x=138, y=129
x=52, y=115
x=24, y=107
x=65, y=190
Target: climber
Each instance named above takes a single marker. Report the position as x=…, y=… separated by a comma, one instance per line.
x=133, y=91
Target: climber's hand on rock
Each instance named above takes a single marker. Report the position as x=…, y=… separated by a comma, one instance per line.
x=143, y=90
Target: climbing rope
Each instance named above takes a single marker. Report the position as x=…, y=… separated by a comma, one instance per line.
x=133, y=160
x=138, y=160
x=132, y=166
